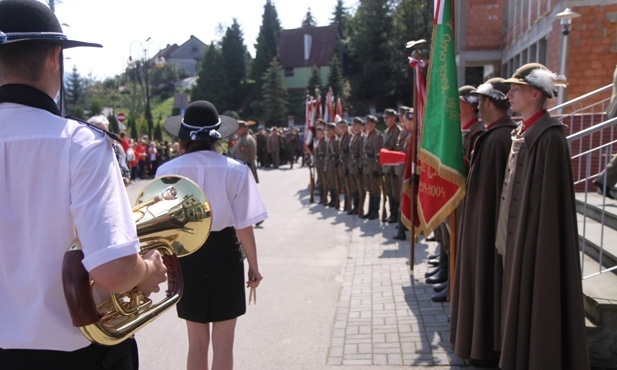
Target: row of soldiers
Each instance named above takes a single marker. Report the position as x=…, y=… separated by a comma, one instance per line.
x=347, y=161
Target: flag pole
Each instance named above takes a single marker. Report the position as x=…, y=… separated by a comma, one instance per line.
x=453, y=220
x=414, y=178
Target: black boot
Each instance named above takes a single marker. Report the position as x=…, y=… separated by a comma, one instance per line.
x=391, y=205
x=332, y=198
x=375, y=208
x=370, y=208
x=394, y=209
x=355, y=200
x=441, y=296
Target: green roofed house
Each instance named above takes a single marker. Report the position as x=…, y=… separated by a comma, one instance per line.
x=302, y=48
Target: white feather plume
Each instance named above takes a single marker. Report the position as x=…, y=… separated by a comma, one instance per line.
x=489, y=90
x=546, y=80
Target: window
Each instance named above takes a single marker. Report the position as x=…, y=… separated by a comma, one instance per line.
x=289, y=72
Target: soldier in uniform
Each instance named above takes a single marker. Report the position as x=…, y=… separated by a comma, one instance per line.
x=262, y=147
x=274, y=147
x=391, y=183
x=246, y=148
x=332, y=164
x=356, y=144
x=344, y=138
x=402, y=145
x=320, y=163
x=371, y=169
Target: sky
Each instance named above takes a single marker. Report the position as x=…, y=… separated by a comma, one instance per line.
x=123, y=26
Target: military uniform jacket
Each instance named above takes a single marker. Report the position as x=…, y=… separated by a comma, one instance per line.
x=274, y=143
x=334, y=154
x=246, y=151
x=390, y=139
x=320, y=154
x=356, y=144
x=542, y=292
x=402, y=145
x=373, y=142
x=344, y=144
x=475, y=325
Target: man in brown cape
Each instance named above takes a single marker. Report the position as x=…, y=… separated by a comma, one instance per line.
x=475, y=325
x=543, y=322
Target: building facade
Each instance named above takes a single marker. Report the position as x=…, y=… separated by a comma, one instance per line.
x=495, y=37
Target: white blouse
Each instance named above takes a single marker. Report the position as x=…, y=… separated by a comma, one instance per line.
x=228, y=184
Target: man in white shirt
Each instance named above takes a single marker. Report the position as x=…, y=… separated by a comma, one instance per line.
x=60, y=179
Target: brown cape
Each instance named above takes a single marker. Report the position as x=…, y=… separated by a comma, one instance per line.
x=543, y=322
x=476, y=296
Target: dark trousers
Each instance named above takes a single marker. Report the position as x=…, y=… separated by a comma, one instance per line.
x=122, y=356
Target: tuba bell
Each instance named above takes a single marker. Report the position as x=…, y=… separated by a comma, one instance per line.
x=173, y=216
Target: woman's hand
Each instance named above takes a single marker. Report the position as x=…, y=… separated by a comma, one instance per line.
x=254, y=278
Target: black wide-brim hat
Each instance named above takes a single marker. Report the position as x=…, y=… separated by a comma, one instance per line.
x=200, y=118
x=29, y=21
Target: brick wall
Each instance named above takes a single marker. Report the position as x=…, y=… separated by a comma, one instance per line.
x=590, y=62
x=483, y=24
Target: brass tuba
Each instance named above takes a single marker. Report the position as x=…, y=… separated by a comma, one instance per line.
x=173, y=216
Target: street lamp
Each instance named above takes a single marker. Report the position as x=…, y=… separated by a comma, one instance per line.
x=146, y=63
x=565, y=18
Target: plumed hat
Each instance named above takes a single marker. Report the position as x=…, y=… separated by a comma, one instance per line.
x=30, y=20
x=201, y=122
x=538, y=76
x=493, y=88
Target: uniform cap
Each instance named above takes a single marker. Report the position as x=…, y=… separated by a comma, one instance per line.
x=371, y=118
x=465, y=94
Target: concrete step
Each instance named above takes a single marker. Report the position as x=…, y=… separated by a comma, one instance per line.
x=597, y=241
x=600, y=302
x=597, y=206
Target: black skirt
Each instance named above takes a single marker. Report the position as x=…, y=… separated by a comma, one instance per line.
x=214, y=283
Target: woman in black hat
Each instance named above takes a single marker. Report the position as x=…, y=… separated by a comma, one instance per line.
x=59, y=178
x=214, y=294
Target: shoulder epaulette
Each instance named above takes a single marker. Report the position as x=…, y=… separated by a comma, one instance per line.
x=235, y=159
x=109, y=134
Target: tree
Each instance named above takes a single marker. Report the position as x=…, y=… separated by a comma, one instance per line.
x=75, y=95
x=339, y=15
x=412, y=20
x=275, y=94
x=314, y=81
x=113, y=123
x=132, y=126
x=266, y=47
x=234, y=54
x=335, y=79
x=309, y=20
x=212, y=84
x=163, y=79
x=370, y=52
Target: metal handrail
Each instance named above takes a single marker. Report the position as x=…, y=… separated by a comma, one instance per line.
x=580, y=98
x=591, y=130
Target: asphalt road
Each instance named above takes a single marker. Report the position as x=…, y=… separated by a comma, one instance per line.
x=301, y=255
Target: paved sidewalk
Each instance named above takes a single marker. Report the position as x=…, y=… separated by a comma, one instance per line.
x=385, y=315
